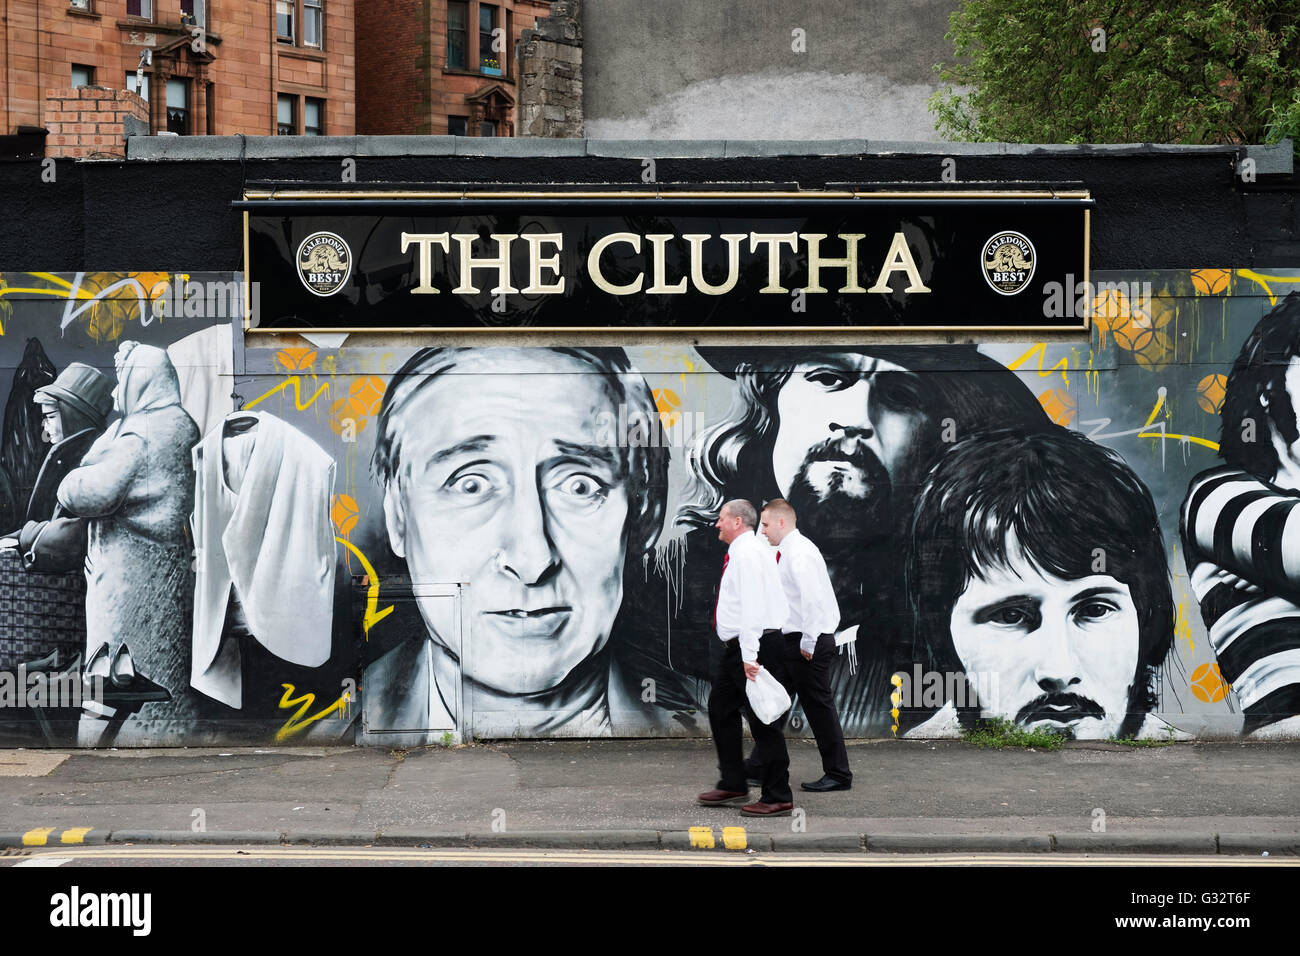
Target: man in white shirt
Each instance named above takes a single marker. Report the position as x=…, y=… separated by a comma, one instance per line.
x=750, y=610
x=809, y=634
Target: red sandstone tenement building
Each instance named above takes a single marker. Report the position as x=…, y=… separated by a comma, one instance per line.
x=441, y=67
x=213, y=66
x=261, y=67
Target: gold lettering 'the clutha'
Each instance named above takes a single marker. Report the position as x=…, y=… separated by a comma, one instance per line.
x=652, y=251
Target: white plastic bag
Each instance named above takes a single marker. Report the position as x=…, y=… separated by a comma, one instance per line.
x=767, y=696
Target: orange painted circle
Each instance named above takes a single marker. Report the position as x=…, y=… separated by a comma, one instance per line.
x=1132, y=336
x=1059, y=405
x=1210, y=392
x=1207, y=683
x=669, y=404
x=343, y=411
x=344, y=513
x=1110, y=309
x=1210, y=281
x=366, y=395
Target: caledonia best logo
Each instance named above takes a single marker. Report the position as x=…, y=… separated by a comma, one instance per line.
x=1009, y=261
x=324, y=263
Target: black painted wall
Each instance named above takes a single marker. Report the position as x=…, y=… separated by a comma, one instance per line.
x=1155, y=210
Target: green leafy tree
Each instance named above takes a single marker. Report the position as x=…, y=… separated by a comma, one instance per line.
x=1086, y=71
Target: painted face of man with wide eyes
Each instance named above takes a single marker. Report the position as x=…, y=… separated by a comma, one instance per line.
x=502, y=483
x=1057, y=653
x=851, y=430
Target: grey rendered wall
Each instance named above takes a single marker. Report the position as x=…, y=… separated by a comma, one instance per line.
x=725, y=69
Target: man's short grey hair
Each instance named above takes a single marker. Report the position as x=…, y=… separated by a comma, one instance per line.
x=744, y=510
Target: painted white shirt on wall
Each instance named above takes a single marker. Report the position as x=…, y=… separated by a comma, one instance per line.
x=750, y=597
x=808, y=590
x=262, y=531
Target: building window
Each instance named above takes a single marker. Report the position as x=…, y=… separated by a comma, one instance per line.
x=489, y=58
x=457, y=125
x=140, y=8
x=79, y=5
x=310, y=13
x=458, y=35
x=143, y=89
x=178, y=106
x=286, y=123
x=313, y=113
x=82, y=75
x=195, y=12
x=487, y=128
x=313, y=22
x=477, y=35
x=284, y=20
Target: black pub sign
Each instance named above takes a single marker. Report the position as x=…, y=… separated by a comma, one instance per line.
x=688, y=261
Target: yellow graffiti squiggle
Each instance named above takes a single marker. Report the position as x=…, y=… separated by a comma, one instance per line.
x=373, y=614
x=298, y=722
x=297, y=393
x=64, y=284
x=1041, y=350
x=1160, y=403
x=1261, y=277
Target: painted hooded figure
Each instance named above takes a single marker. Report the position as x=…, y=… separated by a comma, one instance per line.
x=136, y=485
x=75, y=408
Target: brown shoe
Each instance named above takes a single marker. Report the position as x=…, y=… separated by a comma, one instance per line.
x=722, y=798
x=767, y=809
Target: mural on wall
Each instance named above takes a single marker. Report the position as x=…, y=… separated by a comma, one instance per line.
x=1243, y=555
x=1036, y=569
x=212, y=540
x=494, y=473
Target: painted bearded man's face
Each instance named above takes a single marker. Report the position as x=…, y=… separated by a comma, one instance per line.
x=852, y=434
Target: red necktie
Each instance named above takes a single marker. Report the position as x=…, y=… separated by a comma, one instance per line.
x=778, y=557
x=725, y=560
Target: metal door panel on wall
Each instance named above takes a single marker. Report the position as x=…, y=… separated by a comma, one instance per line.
x=412, y=692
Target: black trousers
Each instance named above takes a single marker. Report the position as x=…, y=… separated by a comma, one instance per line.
x=812, y=682
x=727, y=702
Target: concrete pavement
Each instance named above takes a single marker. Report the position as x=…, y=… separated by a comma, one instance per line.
x=908, y=796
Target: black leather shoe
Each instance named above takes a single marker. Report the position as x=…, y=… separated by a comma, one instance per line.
x=825, y=785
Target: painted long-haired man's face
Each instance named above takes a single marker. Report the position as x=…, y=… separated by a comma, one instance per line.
x=504, y=483
x=1058, y=653
x=852, y=430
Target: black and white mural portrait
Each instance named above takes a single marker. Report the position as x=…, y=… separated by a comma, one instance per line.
x=215, y=536
x=495, y=474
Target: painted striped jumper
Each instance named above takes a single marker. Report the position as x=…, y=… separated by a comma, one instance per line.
x=1242, y=538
